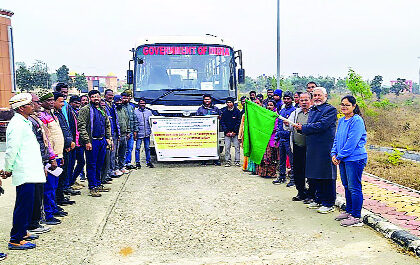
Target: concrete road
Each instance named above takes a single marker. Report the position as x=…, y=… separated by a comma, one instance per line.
x=188, y=214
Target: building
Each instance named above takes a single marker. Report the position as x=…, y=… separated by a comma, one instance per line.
x=7, y=65
x=99, y=82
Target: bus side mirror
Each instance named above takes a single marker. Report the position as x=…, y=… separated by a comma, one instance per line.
x=130, y=75
x=241, y=76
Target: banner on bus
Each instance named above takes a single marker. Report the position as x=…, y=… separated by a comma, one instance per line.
x=185, y=138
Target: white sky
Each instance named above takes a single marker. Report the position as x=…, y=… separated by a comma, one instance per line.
x=318, y=37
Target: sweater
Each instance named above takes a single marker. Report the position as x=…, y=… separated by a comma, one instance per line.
x=350, y=139
x=230, y=120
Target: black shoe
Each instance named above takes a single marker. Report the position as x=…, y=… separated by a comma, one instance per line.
x=217, y=163
x=59, y=214
x=138, y=165
x=66, y=201
x=203, y=163
x=59, y=209
x=290, y=184
x=129, y=166
x=279, y=180
x=297, y=198
x=150, y=165
x=108, y=179
x=52, y=221
x=72, y=192
x=307, y=201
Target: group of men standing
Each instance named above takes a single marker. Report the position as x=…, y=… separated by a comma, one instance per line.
x=50, y=141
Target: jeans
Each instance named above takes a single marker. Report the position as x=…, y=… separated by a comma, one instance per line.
x=146, y=141
x=351, y=177
x=106, y=165
x=37, y=209
x=130, y=145
x=299, y=162
x=23, y=211
x=94, y=160
x=325, y=191
x=122, y=149
x=50, y=188
x=80, y=159
x=70, y=168
x=284, y=149
x=228, y=142
x=113, y=155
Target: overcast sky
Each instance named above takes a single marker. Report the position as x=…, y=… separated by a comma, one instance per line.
x=318, y=37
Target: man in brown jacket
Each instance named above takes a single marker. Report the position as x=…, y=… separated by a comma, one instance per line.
x=95, y=136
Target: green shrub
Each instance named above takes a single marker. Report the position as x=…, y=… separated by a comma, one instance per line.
x=394, y=158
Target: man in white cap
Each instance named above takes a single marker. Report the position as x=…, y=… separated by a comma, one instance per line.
x=24, y=163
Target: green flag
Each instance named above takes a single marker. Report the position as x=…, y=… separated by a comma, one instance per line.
x=258, y=127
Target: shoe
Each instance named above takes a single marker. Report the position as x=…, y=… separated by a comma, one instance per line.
x=94, y=193
x=290, y=184
x=22, y=245
x=106, y=182
x=324, y=209
x=117, y=173
x=129, y=166
x=60, y=214
x=279, y=180
x=40, y=230
x=342, y=216
x=102, y=188
x=79, y=184
x=71, y=192
x=307, y=201
x=30, y=237
x=109, y=179
x=3, y=256
x=351, y=221
x=150, y=165
x=227, y=164
x=238, y=164
x=297, y=198
x=52, y=221
x=138, y=165
x=217, y=163
x=65, y=201
x=314, y=205
x=203, y=163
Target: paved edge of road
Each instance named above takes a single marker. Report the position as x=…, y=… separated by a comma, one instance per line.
x=398, y=235
x=101, y=227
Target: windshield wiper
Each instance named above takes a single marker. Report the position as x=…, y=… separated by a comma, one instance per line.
x=170, y=91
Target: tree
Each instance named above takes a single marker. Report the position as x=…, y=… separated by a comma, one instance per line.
x=24, y=79
x=63, y=74
x=398, y=87
x=359, y=88
x=376, y=86
x=80, y=83
x=40, y=75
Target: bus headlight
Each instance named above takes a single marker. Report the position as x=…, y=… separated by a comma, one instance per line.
x=186, y=113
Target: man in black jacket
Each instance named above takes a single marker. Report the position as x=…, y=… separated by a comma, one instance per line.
x=68, y=146
x=230, y=122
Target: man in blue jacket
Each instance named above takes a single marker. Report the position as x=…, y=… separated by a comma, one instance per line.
x=283, y=138
x=208, y=109
x=68, y=146
x=142, y=114
x=111, y=112
x=320, y=132
x=230, y=121
x=133, y=128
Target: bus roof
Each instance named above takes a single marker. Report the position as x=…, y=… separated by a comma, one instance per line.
x=206, y=39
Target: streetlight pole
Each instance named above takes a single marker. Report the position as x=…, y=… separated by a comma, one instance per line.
x=278, y=44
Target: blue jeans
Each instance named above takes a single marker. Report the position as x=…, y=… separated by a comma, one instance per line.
x=351, y=177
x=95, y=158
x=130, y=145
x=50, y=188
x=22, y=213
x=284, y=149
x=80, y=159
x=146, y=141
x=70, y=168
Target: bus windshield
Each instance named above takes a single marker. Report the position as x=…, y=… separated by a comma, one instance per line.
x=183, y=67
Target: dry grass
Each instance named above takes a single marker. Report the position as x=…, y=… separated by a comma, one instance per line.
x=407, y=173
